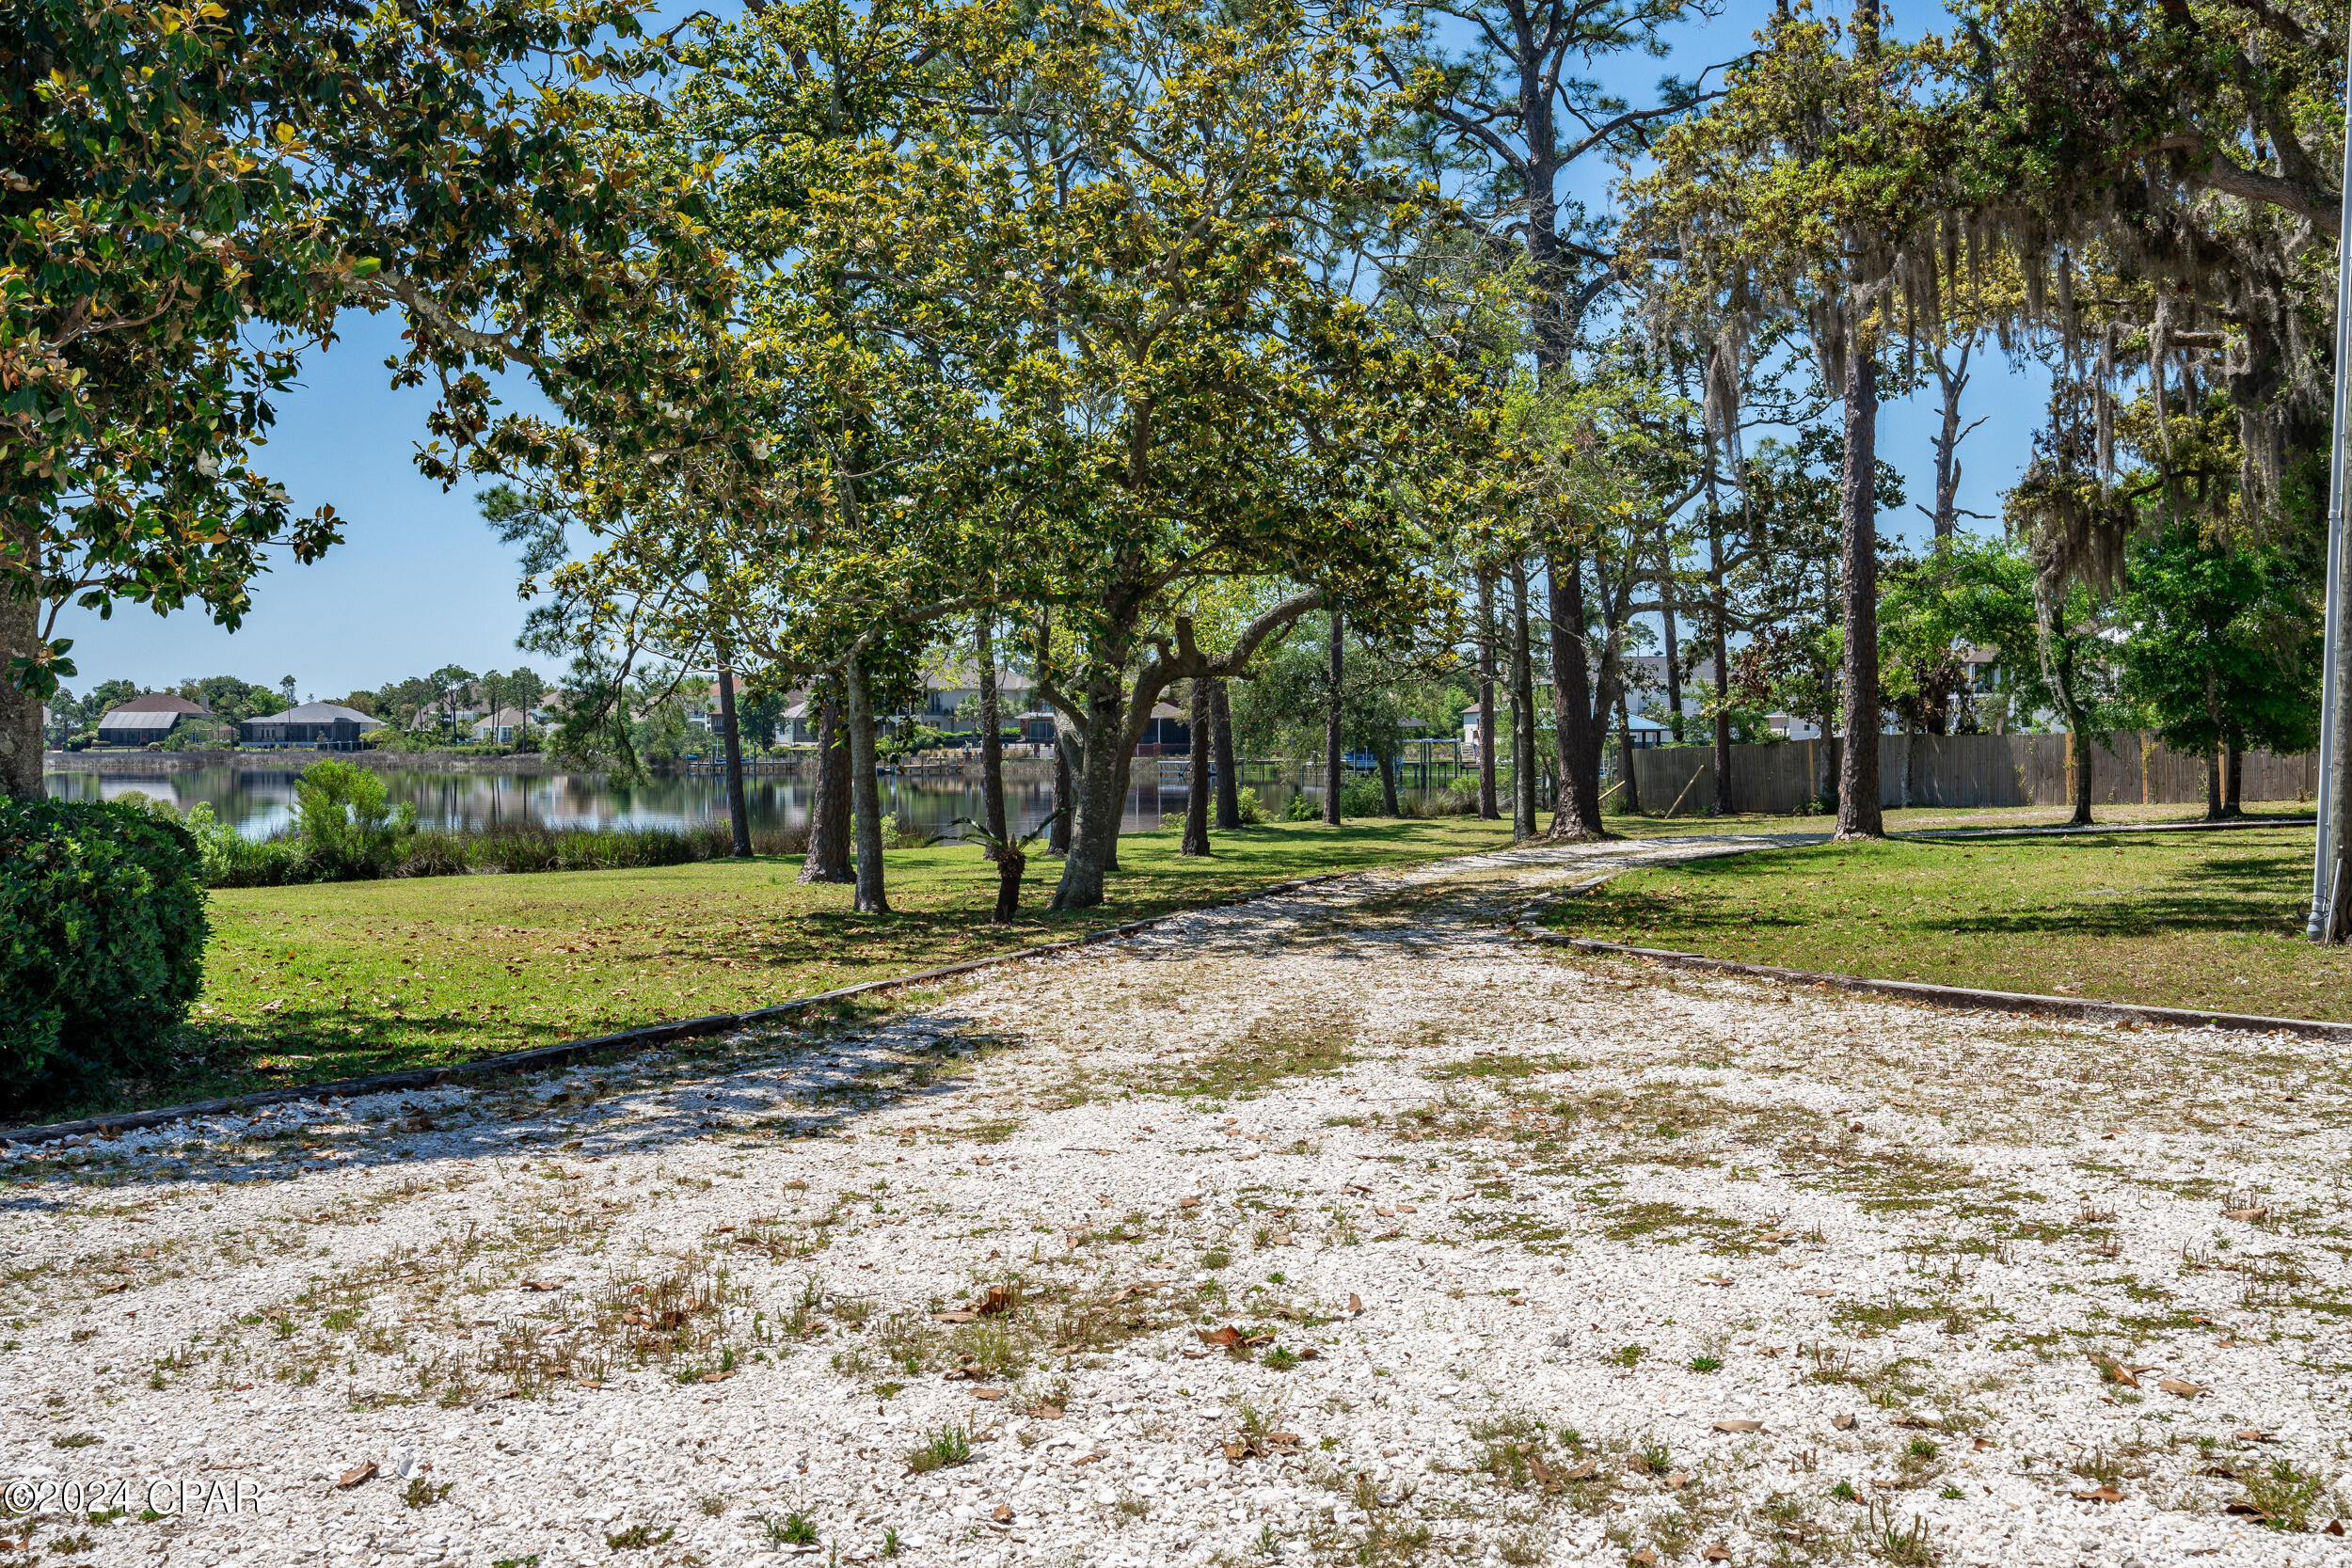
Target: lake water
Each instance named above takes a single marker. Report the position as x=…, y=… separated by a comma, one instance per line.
x=258, y=798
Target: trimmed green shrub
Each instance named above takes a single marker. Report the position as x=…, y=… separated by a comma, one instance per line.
x=102, y=943
x=1361, y=796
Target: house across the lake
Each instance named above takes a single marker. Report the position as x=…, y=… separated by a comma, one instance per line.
x=502, y=726
x=319, y=727
x=145, y=719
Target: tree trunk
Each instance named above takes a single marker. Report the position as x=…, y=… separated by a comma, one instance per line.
x=1065, y=796
x=1719, y=634
x=1009, y=865
x=1954, y=380
x=864, y=793
x=1389, y=806
x=1858, y=813
x=2083, y=758
x=1100, y=794
x=1058, y=828
x=1576, y=811
x=1522, y=711
x=1221, y=743
x=1632, y=790
x=739, y=811
x=992, y=737
x=1487, y=810
x=2059, y=669
x=2234, y=779
x=2214, y=747
x=1122, y=791
x=1196, y=841
x=1674, y=658
x=1603, y=694
x=1331, y=759
x=19, y=710
x=828, y=858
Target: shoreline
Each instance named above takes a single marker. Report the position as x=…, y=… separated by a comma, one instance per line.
x=533, y=764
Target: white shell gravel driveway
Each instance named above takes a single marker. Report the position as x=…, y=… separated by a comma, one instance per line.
x=1342, y=1227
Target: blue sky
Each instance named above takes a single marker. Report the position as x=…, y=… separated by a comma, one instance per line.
x=420, y=583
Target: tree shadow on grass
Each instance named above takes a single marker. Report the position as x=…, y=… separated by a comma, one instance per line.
x=752, y=1088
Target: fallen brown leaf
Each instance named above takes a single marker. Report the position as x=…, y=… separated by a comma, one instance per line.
x=540, y=1285
x=1046, y=1412
x=2249, y=1214
x=1226, y=1336
x=1740, y=1425
x=1584, y=1469
x=2185, y=1390
x=1187, y=1203
x=958, y=1316
x=1355, y=1303
x=1982, y=1443
x=1817, y=1292
x=356, y=1474
x=1843, y=1423
x=1717, y=1553
x=2245, y=1510
x=2251, y=1436
x=1000, y=1300
x=2335, y=1526
x=1676, y=1482
x=1084, y=1458
x=988, y=1393
x=1003, y=1513
x=2098, y=1494
x=1646, y=1557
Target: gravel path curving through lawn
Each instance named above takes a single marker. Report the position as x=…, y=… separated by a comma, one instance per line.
x=1341, y=1226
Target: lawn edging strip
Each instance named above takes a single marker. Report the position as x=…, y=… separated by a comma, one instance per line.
x=541, y=1058
x=1964, y=996
x=2073, y=830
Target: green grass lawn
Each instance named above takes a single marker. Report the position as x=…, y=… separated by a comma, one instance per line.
x=2182, y=920
x=305, y=984
x=1913, y=819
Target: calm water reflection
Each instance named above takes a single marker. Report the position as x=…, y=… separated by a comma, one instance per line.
x=259, y=798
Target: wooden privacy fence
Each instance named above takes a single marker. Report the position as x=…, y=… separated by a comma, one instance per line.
x=1958, y=770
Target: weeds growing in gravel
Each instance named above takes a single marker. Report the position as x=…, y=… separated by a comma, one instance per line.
x=949, y=1445
x=2284, y=1495
x=1904, y=1546
x=637, y=1538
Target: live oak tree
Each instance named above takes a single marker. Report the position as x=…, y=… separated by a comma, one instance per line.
x=192, y=194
